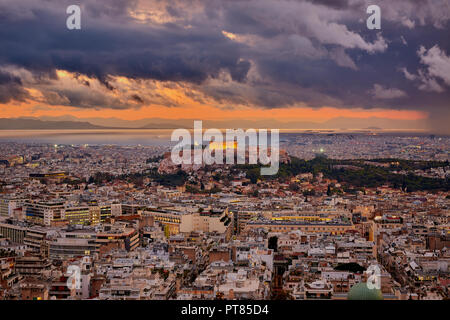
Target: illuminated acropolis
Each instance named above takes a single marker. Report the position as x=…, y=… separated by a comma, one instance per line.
x=213, y=145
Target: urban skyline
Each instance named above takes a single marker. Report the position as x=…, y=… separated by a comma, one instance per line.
x=240, y=152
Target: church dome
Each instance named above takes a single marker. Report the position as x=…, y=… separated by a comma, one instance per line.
x=360, y=291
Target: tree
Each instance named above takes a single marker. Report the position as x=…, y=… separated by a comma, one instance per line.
x=281, y=295
x=273, y=243
x=329, y=192
x=253, y=175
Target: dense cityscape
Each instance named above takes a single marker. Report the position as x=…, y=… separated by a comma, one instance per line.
x=211, y=159
x=136, y=227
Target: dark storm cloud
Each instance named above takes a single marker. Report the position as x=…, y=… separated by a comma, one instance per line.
x=336, y=4
x=11, y=88
x=41, y=43
x=137, y=98
x=109, y=8
x=348, y=75
x=277, y=53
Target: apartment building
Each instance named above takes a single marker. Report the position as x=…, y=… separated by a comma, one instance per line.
x=118, y=236
x=7, y=206
x=44, y=213
x=14, y=232
x=174, y=222
x=333, y=227
x=73, y=244
x=82, y=215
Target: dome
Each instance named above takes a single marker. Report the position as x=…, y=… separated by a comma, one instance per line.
x=360, y=291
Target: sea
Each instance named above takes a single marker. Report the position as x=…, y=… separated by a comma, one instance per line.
x=147, y=137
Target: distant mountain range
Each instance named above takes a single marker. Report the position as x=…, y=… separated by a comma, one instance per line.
x=70, y=122
x=36, y=124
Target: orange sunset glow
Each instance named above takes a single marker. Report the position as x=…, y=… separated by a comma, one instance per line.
x=208, y=112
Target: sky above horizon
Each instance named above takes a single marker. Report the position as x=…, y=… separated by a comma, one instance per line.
x=296, y=60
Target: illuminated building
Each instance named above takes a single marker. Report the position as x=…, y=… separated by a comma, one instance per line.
x=213, y=145
x=89, y=215
x=174, y=222
x=49, y=175
x=43, y=213
x=73, y=244
x=7, y=206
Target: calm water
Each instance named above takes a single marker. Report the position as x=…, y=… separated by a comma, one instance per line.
x=145, y=137
x=93, y=137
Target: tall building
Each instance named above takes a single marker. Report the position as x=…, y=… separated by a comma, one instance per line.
x=7, y=206
x=174, y=222
x=43, y=213
x=73, y=244
x=82, y=215
x=14, y=232
x=118, y=236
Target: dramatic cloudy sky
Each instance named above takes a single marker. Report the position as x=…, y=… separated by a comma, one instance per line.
x=290, y=60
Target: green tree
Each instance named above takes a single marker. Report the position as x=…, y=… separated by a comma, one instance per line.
x=273, y=243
